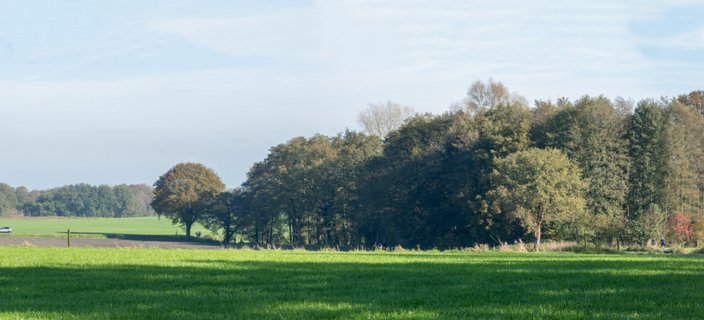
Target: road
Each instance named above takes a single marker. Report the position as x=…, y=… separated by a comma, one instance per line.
x=10, y=240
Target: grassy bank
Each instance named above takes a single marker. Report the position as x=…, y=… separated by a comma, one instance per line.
x=54, y=283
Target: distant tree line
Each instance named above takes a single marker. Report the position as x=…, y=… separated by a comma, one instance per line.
x=80, y=200
x=492, y=170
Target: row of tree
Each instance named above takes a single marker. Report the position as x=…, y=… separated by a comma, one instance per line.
x=80, y=200
x=491, y=170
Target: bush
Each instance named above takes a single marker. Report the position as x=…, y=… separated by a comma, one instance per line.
x=650, y=224
x=680, y=229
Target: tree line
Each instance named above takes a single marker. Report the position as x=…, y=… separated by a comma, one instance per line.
x=491, y=170
x=79, y=200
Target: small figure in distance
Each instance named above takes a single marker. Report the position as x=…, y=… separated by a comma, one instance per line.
x=198, y=234
x=652, y=242
x=662, y=243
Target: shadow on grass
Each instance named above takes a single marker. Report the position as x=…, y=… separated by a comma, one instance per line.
x=224, y=289
x=145, y=237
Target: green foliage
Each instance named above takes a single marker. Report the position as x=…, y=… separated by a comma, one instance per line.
x=648, y=158
x=83, y=200
x=430, y=185
x=341, y=214
x=440, y=181
x=651, y=224
x=288, y=182
x=178, y=194
x=311, y=185
x=593, y=134
x=502, y=130
x=666, y=153
x=683, y=188
x=694, y=100
x=538, y=188
x=595, y=140
x=224, y=211
x=8, y=200
x=81, y=283
x=414, y=193
x=698, y=229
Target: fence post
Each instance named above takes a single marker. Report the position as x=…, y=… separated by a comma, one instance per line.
x=68, y=237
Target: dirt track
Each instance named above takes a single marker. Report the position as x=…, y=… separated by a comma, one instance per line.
x=102, y=243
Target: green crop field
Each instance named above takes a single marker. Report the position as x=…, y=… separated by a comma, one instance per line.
x=95, y=227
x=84, y=283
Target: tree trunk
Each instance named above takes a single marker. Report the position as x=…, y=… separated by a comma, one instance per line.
x=188, y=229
x=538, y=233
x=227, y=237
x=271, y=235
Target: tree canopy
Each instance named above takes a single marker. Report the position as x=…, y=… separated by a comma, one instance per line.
x=539, y=188
x=80, y=200
x=179, y=193
x=592, y=169
x=381, y=118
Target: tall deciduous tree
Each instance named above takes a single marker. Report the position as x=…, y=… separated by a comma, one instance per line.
x=381, y=118
x=411, y=194
x=482, y=96
x=264, y=214
x=224, y=211
x=685, y=168
x=341, y=212
x=538, y=187
x=502, y=130
x=288, y=181
x=179, y=192
x=593, y=133
x=694, y=100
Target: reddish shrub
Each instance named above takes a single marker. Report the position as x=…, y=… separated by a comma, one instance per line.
x=680, y=228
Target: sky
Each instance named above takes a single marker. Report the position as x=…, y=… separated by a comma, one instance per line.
x=113, y=92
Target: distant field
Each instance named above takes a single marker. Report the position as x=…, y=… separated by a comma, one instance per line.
x=94, y=227
x=73, y=283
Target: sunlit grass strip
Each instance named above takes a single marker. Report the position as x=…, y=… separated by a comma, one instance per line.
x=94, y=227
x=85, y=283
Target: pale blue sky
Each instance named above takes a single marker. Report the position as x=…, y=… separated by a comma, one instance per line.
x=109, y=92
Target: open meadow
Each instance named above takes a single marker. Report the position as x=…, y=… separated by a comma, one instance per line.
x=96, y=227
x=87, y=283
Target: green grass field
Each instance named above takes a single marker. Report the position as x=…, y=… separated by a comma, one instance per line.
x=82, y=283
x=95, y=227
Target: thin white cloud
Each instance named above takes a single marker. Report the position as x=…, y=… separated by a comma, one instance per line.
x=688, y=40
x=264, y=35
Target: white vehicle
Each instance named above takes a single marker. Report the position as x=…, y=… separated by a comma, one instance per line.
x=5, y=230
